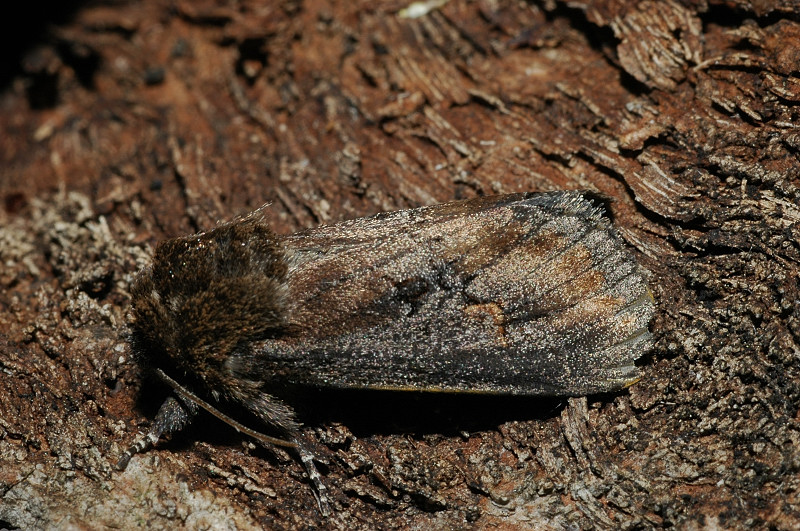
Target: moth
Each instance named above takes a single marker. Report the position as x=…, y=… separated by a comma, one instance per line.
x=522, y=294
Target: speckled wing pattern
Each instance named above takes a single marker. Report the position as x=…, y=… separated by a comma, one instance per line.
x=528, y=294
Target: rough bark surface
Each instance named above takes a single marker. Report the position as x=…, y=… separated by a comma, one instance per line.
x=138, y=121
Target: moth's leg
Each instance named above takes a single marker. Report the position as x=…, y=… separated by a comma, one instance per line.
x=173, y=416
x=319, y=488
x=279, y=415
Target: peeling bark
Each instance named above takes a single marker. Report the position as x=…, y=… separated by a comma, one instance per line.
x=135, y=122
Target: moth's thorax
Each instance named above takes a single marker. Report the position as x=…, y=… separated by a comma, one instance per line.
x=208, y=295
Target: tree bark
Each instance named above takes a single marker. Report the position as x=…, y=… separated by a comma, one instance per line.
x=133, y=122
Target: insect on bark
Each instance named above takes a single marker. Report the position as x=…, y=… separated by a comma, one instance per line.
x=523, y=294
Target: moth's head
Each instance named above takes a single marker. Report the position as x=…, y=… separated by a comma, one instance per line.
x=207, y=295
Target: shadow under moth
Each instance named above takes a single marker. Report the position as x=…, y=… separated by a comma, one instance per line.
x=522, y=294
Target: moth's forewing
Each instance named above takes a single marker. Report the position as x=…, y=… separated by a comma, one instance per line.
x=521, y=294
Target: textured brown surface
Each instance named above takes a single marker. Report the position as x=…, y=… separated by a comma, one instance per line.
x=136, y=122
